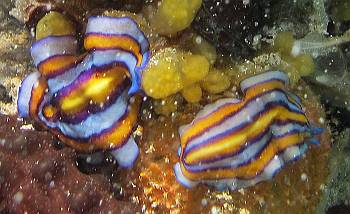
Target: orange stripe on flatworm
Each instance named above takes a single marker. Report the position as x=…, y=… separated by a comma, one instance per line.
x=252, y=169
x=37, y=95
x=114, y=42
x=215, y=117
x=56, y=65
x=234, y=141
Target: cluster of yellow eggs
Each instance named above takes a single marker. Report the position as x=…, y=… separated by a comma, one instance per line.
x=172, y=70
x=172, y=16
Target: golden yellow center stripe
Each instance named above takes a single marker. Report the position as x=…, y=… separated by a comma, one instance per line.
x=251, y=169
x=110, y=42
x=97, y=89
x=217, y=116
x=234, y=141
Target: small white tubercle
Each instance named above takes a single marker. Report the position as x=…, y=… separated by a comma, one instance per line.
x=296, y=49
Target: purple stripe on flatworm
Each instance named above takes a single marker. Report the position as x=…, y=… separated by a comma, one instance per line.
x=39, y=42
x=91, y=108
x=218, y=123
x=85, y=76
x=244, y=146
x=257, y=155
x=82, y=140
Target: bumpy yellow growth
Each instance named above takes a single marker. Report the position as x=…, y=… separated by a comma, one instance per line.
x=304, y=64
x=192, y=94
x=163, y=75
x=172, y=16
x=171, y=71
x=194, y=68
x=54, y=24
x=215, y=82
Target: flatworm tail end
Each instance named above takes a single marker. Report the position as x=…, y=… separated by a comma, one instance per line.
x=127, y=154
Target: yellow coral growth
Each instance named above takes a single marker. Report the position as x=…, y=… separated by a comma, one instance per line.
x=203, y=47
x=304, y=63
x=172, y=16
x=194, y=68
x=171, y=71
x=192, y=94
x=54, y=24
x=163, y=75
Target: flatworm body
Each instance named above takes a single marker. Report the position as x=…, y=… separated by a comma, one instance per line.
x=238, y=143
x=88, y=99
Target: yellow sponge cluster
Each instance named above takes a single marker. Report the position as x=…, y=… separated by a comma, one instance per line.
x=171, y=70
x=172, y=16
x=297, y=66
x=163, y=77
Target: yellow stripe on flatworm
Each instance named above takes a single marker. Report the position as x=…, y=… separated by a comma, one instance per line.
x=250, y=170
x=74, y=103
x=111, y=42
x=223, y=112
x=58, y=64
x=233, y=142
x=96, y=90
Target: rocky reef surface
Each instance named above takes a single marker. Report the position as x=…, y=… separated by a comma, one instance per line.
x=37, y=177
